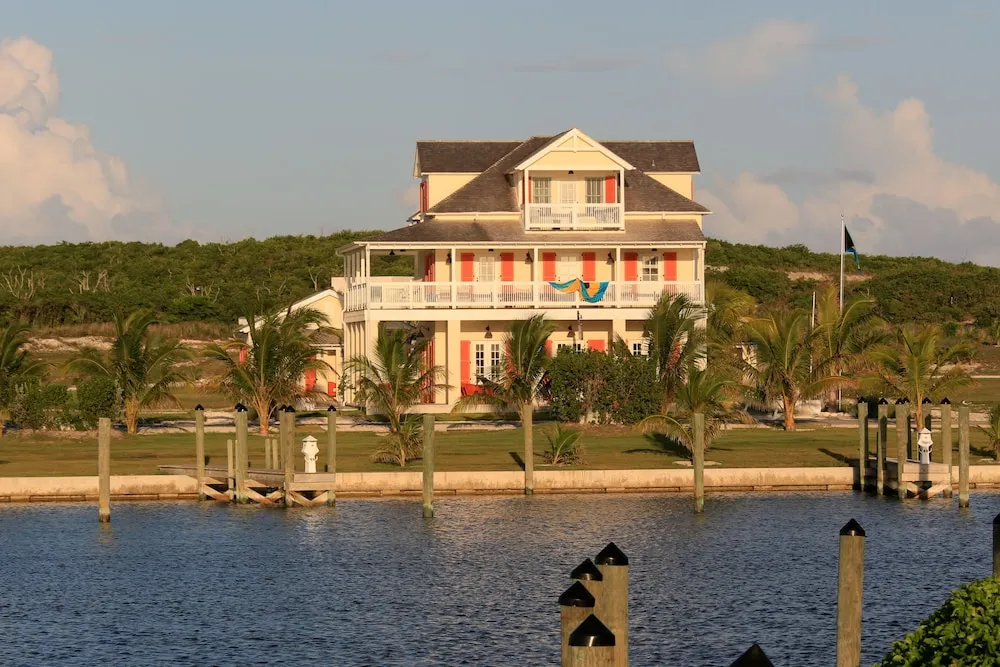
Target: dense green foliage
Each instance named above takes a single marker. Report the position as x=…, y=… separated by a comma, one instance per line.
x=96, y=397
x=36, y=406
x=88, y=282
x=965, y=631
x=617, y=388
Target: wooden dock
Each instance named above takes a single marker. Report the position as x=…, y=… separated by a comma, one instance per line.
x=263, y=486
x=921, y=480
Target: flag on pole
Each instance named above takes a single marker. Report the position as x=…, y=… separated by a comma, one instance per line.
x=849, y=247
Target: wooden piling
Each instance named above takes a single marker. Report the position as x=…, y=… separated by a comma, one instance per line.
x=862, y=443
x=267, y=454
x=230, y=467
x=331, y=453
x=287, y=455
x=528, y=424
x=850, y=575
x=428, y=460
x=963, y=456
x=199, y=448
x=242, y=454
x=911, y=449
x=575, y=605
x=881, y=446
x=902, y=422
x=946, y=443
x=104, y=470
x=698, y=424
x=589, y=575
x=612, y=606
x=592, y=644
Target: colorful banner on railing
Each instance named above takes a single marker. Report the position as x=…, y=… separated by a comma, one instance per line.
x=591, y=291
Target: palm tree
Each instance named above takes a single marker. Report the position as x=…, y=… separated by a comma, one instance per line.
x=707, y=392
x=392, y=380
x=516, y=384
x=677, y=341
x=728, y=312
x=266, y=369
x=16, y=365
x=142, y=364
x=846, y=339
x=918, y=364
x=782, y=367
x=992, y=430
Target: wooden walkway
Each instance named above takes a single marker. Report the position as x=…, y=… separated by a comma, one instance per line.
x=263, y=486
x=922, y=480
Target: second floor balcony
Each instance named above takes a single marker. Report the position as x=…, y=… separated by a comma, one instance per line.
x=539, y=217
x=542, y=295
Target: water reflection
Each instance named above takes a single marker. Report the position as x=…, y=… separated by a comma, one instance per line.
x=372, y=583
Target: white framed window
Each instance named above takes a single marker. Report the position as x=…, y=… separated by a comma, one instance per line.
x=569, y=267
x=567, y=192
x=541, y=190
x=595, y=190
x=640, y=348
x=486, y=361
x=494, y=361
x=487, y=269
x=650, y=269
x=479, y=361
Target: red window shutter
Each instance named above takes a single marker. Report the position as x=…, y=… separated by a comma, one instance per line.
x=610, y=189
x=596, y=345
x=548, y=266
x=548, y=348
x=243, y=355
x=311, y=379
x=631, y=266
x=468, y=271
x=507, y=267
x=465, y=360
x=429, y=267
x=589, y=266
x=670, y=266
x=331, y=389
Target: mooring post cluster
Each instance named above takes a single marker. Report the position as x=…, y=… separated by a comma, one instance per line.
x=594, y=612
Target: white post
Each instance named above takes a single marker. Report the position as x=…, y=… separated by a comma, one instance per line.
x=617, y=274
x=534, y=276
x=454, y=263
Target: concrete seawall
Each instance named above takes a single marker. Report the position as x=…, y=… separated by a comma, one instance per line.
x=374, y=484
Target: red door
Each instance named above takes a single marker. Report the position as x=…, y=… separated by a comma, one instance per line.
x=468, y=270
x=548, y=266
x=589, y=266
x=631, y=266
x=507, y=267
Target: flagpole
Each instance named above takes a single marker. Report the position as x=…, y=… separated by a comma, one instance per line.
x=843, y=250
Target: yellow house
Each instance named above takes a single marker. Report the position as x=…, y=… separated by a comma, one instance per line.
x=590, y=233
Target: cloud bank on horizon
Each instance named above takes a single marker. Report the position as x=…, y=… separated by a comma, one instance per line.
x=55, y=185
x=898, y=195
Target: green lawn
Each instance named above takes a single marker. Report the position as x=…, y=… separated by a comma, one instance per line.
x=48, y=454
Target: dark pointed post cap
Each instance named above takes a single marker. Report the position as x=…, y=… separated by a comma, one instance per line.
x=927, y=400
x=332, y=408
x=240, y=407
x=881, y=401
x=853, y=528
x=199, y=407
x=906, y=401
x=753, y=657
x=289, y=408
x=591, y=633
x=611, y=555
x=945, y=401
x=861, y=399
x=576, y=595
x=586, y=570
x=996, y=520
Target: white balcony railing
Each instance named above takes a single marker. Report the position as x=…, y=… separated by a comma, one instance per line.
x=573, y=216
x=417, y=295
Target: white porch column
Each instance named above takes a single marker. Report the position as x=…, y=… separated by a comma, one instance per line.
x=453, y=372
x=700, y=277
x=617, y=331
x=366, y=269
x=534, y=277
x=618, y=275
x=454, y=263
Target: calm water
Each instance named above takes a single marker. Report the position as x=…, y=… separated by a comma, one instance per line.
x=371, y=583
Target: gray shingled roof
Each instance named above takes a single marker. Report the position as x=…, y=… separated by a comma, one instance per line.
x=656, y=156
x=461, y=156
x=642, y=193
x=512, y=231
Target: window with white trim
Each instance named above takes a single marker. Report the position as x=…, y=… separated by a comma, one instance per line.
x=650, y=268
x=479, y=367
x=495, y=361
x=486, y=352
x=567, y=192
x=569, y=267
x=487, y=269
x=541, y=190
x=595, y=190
x=578, y=347
x=640, y=348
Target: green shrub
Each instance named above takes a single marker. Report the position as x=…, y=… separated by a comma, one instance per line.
x=619, y=388
x=573, y=381
x=96, y=397
x=36, y=406
x=965, y=631
x=629, y=392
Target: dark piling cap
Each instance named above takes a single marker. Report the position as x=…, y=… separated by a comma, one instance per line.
x=996, y=520
x=332, y=408
x=881, y=401
x=945, y=401
x=899, y=401
x=611, y=555
x=753, y=657
x=592, y=633
x=927, y=400
x=240, y=407
x=853, y=528
x=289, y=408
x=199, y=407
x=586, y=570
x=906, y=401
x=576, y=595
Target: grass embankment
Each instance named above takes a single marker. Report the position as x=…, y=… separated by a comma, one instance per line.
x=606, y=448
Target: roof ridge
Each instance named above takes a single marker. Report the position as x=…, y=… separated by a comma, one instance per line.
x=469, y=141
x=647, y=141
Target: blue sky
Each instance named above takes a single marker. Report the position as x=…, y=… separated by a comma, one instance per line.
x=222, y=120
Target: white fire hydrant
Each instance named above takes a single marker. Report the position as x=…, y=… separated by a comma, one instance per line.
x=310, y=450
x=924, y=444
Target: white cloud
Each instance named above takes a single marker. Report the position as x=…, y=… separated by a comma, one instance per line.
x=752, y=56
x=915, y=201
x=54, y=183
